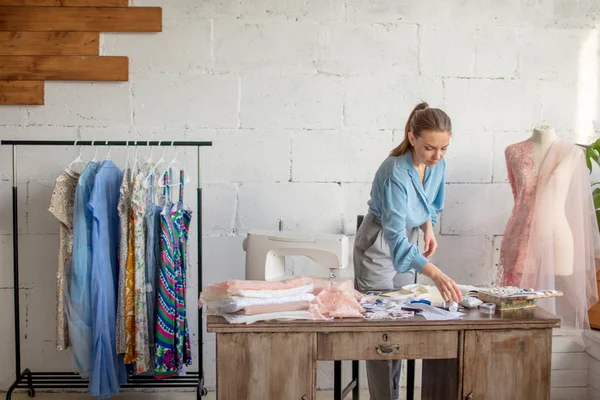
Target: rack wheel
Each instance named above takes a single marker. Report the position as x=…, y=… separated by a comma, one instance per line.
x=204, y=392
x=31, y=392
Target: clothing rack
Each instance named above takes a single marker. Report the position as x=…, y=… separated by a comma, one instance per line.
x=26, y=379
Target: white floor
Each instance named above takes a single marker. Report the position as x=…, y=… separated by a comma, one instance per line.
x=321, y=395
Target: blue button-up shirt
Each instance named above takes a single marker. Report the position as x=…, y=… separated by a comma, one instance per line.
x=401, y=201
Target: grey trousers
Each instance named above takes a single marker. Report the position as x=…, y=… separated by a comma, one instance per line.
x=374, y=270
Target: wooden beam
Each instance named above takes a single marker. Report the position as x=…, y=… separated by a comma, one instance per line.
x=49, y=43
x=65, y=3
x=21, y=93
x=81, y=19
x=64, y=68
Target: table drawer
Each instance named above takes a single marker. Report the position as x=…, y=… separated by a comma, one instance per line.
x=387, y=345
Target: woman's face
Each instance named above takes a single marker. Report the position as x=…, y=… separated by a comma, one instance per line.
x=430, y=147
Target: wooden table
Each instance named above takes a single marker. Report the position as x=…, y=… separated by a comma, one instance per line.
x=504, y=356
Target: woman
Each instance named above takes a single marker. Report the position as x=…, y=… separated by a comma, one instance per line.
x=407, y=193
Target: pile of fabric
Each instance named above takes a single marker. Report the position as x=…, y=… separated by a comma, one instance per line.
x=307, y=298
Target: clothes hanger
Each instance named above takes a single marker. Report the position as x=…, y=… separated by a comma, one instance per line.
x=109, y=149
x=127, y=159
x=95, y=159
x=161, y=160
x=78, y=159
x=135, y=160
x=149, y=160
x=173, y=162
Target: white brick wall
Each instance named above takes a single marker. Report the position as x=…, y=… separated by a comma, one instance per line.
x=303, y=99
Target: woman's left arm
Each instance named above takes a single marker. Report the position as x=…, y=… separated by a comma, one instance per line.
x=429, y=237
x=436, y=207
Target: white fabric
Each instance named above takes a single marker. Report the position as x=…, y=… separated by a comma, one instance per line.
x=435, y=314
x=228, y=306
x=287, y=315
x=275, y=293
x=564, y=243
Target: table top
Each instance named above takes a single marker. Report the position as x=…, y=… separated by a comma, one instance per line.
x=527, y=318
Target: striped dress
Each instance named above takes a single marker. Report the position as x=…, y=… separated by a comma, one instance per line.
x=172, y=334
x=181, y=224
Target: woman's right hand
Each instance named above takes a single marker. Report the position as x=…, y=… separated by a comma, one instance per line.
x=447, y=287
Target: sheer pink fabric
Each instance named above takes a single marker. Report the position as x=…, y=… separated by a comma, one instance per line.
x=552, y=239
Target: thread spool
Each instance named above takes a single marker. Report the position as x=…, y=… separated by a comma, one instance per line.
x=487, y=308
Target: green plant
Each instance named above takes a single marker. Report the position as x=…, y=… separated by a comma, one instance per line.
x=592, y=153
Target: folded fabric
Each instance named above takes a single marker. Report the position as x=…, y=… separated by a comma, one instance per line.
x=286, y=315
x=232, y=305
x=276, y=292
x=230, y=288
x=273, y=308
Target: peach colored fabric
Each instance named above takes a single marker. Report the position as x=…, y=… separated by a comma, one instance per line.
x=231, y=288
x=272, y=308
x=337, y=299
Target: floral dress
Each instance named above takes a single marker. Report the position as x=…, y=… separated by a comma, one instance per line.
x=61, y=206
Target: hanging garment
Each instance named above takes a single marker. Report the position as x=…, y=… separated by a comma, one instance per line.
x=139, y=207
x=107, y=371
x=152, y=265
x=522, y=176
x=79, y=301
x=61, y=206
x=124, y=208
x=130, y=295
x=166, y=312
x=181, y=225
x=555, y=213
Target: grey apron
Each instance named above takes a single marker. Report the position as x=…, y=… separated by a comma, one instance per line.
x=374, y=270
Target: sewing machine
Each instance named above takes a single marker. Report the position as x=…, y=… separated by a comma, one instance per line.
x=266, y=251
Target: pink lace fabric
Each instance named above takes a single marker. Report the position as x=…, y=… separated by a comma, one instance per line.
x=523, y=179
x=552, y=240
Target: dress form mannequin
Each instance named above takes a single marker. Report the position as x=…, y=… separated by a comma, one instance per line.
x=542, y=139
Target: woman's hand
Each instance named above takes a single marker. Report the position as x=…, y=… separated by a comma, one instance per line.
x=430, y=242
x=447, y=287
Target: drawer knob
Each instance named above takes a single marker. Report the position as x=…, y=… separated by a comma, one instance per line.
x=305, y=397
x=469, y=397
x=387, y=351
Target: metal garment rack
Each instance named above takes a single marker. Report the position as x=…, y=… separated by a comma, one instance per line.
x=26, y=379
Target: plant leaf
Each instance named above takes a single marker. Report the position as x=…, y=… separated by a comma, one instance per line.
x=588, y=159
x=596, y=196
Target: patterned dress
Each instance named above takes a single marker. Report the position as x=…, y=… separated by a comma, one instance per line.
x=181, y=224
x=139, y=206
x=166, y=311
x=130, y=296
x=173, y=349
x=61, y=206
x=124, y=208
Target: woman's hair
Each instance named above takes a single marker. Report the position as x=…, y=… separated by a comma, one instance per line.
x=422, y=118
